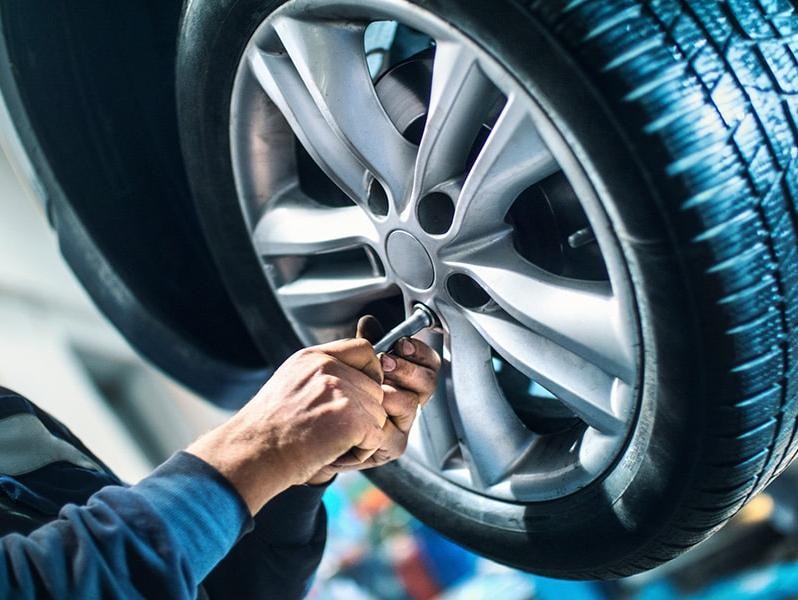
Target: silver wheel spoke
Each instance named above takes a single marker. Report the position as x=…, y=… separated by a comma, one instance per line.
x=310, y=228
x=494, y=437
x=429, y=224
x=460, y=98
x=279, y=79
x=582, y=316
x=583, y=387
x=435, y=421
x=513, y=158
x=331, y=61
x=334, y=292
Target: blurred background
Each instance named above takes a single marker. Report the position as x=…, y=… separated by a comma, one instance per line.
x=56, y=349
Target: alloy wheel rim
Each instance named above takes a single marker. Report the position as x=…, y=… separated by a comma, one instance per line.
x=428, y=223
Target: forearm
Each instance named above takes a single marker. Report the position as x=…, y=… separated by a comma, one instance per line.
x=279, y=557
x=159, y=537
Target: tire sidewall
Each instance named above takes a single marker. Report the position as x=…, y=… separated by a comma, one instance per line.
x=598, y=526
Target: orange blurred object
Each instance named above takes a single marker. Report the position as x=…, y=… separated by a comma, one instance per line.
x=372, y=503
x=411, y=570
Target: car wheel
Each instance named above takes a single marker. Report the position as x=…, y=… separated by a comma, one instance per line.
x=595, y=199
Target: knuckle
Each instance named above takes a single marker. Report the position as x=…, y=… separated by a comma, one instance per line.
x=347, y=405
x=374, y=363
x=417, y=372
x=328, y=384
x=429, y=379
x=300, y=356
x=418, y=377
x=399, y=403
x=391, y=404
x=436, y=360
x=305, y=353
x=396, y=449
x=401, y=446
x=326, y=365
x=361, y=344
x=375, y=392
x=404, y=369
x=337, y=408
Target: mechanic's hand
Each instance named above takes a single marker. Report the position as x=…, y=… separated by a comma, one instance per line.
x=410, y=377
x=322, y=403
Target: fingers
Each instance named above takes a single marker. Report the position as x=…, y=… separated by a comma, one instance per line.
x=401, y=406
x=354, y=459
x=373, y=438
x=392, y=446
x=355, y=456
x=357, y=353
x=409, y=380
x=351, y=377
x=369, y=328
x=369, y=403
x=418, y=352
x=404, y=374
x=374, y=449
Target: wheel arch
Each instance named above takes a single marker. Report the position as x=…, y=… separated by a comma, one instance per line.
x=89, y=104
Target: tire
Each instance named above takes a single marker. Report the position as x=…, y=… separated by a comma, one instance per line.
x=681, y=115
x=113, y=69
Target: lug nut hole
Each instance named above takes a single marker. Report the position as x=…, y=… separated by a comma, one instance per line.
x=466, y=292
x=435, y=213
x=378, y=199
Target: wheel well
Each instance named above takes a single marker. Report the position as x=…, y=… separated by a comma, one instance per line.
x=95, y=110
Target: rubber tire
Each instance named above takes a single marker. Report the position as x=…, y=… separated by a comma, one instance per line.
x=682, y=115
x=109, y=172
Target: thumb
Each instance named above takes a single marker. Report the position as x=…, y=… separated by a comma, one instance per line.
x=369, y=328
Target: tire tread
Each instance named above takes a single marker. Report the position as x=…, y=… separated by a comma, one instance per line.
x=712, y=88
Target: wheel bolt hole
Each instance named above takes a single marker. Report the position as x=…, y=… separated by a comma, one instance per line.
x=466, y=292
x=435, y=213
x=378, y=199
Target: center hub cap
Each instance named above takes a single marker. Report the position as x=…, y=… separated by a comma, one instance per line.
x=409, y=260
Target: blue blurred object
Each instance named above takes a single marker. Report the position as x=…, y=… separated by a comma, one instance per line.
x=768, y=583
x=775, y=582
x=357, y=565
x=658, y=590
x=376, y=575
x=506, y=585
x=344, y=527
x=446, y=562
x=558, y=589
x=455, y=568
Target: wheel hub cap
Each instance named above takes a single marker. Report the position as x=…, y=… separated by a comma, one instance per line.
x=409, y=260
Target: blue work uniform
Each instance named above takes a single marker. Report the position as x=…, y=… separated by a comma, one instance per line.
x=71, y=529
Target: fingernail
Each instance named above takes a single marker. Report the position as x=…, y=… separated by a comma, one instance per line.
x=407, y=347
x=388, y=363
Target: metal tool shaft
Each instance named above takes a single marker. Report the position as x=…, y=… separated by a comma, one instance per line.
x=420, y=318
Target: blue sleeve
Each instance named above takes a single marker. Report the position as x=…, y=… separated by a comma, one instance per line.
x=281, y=554
x=158, y=538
